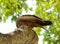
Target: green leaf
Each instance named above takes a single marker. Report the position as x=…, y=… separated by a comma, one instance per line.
x=5, y=18
x=58, y=6
x=30, y=9
x=13, y=18
x=37, y=30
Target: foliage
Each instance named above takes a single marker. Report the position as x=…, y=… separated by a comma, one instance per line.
x=46, y=9
x=50, y=10
x=12, y=8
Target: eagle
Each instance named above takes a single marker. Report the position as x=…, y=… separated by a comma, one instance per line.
x=31, y=21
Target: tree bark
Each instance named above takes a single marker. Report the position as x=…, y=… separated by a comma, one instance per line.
x=19, y=36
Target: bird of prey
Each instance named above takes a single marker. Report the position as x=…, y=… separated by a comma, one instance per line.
x=31, y=21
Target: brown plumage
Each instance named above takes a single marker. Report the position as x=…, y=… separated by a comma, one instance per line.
x=32, y=21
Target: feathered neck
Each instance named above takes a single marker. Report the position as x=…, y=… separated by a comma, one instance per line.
x=24, y=27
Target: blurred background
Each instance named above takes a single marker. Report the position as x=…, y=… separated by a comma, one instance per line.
x=45, y=9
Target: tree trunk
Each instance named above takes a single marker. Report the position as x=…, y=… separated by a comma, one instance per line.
x=19, y=36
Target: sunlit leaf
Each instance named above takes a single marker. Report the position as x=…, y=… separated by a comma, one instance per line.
x=37, y=30
x=58, y=6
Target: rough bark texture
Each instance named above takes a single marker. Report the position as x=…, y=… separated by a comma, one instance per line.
x=24, y=35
